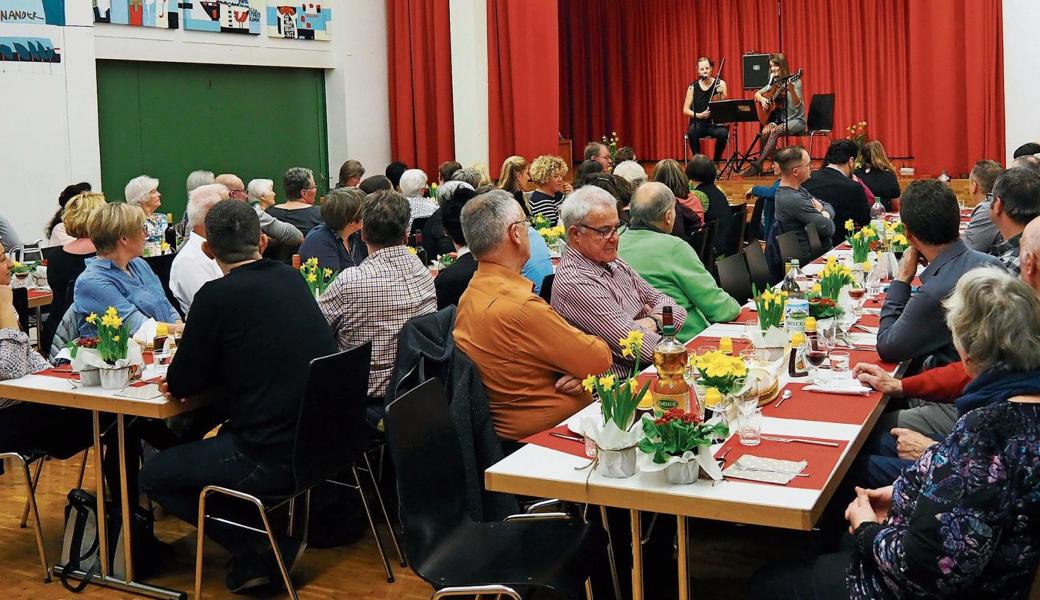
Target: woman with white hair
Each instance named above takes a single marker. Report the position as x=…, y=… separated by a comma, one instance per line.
x=632, y=171
x=261, y=196
x=961, y=521
x=413, y=187
x=143, y=191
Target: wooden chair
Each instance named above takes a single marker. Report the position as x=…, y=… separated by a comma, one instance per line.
x=734, y=277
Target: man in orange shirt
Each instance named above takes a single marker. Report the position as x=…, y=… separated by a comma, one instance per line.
x=530, y=359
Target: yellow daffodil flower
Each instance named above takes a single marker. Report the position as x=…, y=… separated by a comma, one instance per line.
x=607, y=382
x=857, y=236
x=327, y=272
x=412, y=251
x=115, y=338
x=633, y=384
x=111, y=311
x=589, y=383
x=850, y=225
x=311, y=278
x=816, y=289
x=91, y=318
x=312, y=261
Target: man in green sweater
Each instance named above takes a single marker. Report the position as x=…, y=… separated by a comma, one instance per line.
x=670, y=264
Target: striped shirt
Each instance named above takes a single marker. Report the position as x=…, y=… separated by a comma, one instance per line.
x=371, y=302
x=546, y=206
x=606, y=301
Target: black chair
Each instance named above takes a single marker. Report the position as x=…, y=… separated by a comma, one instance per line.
x=816, y=249
x=21, y=306
x=457, y=555
x=734, y=277
x=331, y=433
x=49, y=251
x=546, y=290
x=820, y=120
x=739, y=225
x=417, y=226
x=161, y=266
x=753, y=231
x=707, y=250
x=791, y=247
x=758, y=267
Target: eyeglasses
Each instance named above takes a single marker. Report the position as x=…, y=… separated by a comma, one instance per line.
x=526, y=223
x=604, y=232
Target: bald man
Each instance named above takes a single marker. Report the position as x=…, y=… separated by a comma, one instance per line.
x=234, y=184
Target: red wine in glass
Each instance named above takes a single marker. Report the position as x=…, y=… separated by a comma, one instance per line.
x=816, y=357
x=857, y=293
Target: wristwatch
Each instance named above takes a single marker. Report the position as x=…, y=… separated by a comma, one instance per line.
x=657, y=322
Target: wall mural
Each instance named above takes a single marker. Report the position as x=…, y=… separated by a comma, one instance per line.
x=161, y=14
x=33, y=12
x=298, y=20
x=28, y=49
x=224, y=16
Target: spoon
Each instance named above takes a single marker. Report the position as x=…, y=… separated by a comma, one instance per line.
x=784, y=396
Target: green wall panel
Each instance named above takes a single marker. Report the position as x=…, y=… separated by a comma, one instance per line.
x=167, y=120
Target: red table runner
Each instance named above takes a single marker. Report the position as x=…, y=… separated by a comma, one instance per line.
x=821, y=459
x=545, y=440
x=825, y=408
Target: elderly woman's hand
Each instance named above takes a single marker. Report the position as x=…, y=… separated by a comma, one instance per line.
x=879, y=379
x=860, y=511
x=909, y=444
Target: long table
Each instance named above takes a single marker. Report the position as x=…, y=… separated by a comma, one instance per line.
x=58, y=389
x=545, y=471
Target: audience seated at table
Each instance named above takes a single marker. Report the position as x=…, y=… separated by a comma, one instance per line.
x=143, y=192
x=530, y=359
x=878, y=173
x=834, y=185
x=961, y=520
x=329, y=242
x=446, y=169
x=299, y=211
x=514, y=179
x=371, y=302
x=451, y=282
x=670, y=264
x=631, y=171
x=261, y=195
x=547, y=173
x=689, y=214
x=118, y=277
x=56, y=234
x=472, y=176
x=981, y=234
x=26, y=427
x=413, y=187
x=65, y=264
x=599, y=152
x=192, y=268
x=350, y=173
x=195, y=179
x=795, y=207
x=435, y=239
x=702, y=172
x=1016, y=202
x=260, y=398
x=597, y=291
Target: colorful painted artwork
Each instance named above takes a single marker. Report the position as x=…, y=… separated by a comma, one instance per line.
x=226, y=16
x=28, y=49
x=33, y=12
x=298, y=20
x=138, y=13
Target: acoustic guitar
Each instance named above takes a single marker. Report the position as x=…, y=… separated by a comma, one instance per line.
x=770, y=94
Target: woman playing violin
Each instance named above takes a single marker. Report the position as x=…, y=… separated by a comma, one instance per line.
x=787, y=114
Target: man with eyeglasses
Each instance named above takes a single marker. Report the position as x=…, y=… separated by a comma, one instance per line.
x=981, y=234
x=597, y=291
x=795, y=207
x=236, y=188
x=599, y=153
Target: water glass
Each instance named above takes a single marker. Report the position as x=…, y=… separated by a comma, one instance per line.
x=840, y=363
x=749, y=424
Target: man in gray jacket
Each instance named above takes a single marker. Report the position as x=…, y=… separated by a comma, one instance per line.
x=796, y=207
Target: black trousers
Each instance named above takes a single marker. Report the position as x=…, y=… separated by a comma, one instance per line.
x=60, y=432
x=822, y=578
x=701, y=128
x=174, y=478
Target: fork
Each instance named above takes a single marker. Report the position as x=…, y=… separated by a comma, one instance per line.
x=772, y=471
x=773, y=438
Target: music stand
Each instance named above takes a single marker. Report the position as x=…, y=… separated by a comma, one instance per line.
x=735, y=111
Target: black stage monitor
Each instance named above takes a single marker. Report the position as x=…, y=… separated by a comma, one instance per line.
x=756, y=71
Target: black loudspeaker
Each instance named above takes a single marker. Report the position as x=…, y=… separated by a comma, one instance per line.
x=756, y=71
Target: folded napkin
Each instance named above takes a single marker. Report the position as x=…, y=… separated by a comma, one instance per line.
x=849, y=387
x=768, y=470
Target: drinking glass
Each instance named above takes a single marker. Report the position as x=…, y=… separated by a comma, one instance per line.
x=845, y=321
x=840, y=364
x=749, y=423
x=816, y=352
x=858, y=297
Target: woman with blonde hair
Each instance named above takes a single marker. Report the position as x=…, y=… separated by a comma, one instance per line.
x=514, y=179
x=547, y=172
x=877, y=173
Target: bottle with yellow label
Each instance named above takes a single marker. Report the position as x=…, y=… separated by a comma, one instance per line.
x=670, y=358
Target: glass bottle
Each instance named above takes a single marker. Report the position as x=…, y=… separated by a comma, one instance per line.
x=797, y=308
x=670, y=358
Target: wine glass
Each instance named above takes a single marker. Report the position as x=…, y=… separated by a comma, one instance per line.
x=818, y=349
x=845, y=321
x=857, y=295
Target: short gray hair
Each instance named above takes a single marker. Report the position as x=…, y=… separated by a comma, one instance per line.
x=201, y=199
x=138, y=189
x=995, y=320
x=651, y=203
x=412, y=182
x=198, y=179
x=233, y=231
x=446, y=191
x=577, y=206
x=470, y=176
x=296, y=180
x=257, y=188
x=486, y=218
x=632, y=171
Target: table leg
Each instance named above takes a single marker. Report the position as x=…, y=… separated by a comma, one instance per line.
x=637, y=555
x=128, y=517
x=684, y=576
x=99, y=476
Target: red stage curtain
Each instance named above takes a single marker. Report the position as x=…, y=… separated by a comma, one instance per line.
x=422, y=132
x=523, y=79
x=625, y=67
x=956, y=84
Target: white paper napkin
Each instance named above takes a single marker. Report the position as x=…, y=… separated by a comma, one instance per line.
x=847, y=387
x=769, y=470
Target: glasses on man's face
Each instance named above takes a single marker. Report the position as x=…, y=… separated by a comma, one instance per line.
x=605, y=232
x=526, y=223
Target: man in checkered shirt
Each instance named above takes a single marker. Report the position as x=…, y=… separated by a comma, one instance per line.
x=1016, y=202
x=371, y=302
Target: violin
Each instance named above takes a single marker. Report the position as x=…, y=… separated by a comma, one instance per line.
x=780, y=83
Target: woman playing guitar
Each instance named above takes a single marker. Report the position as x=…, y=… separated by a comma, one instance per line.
x=780, y=114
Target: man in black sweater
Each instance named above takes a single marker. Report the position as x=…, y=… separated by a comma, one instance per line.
x=250, y=338
x=834, y=185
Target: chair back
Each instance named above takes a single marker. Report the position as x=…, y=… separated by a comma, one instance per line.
x=161, y=266
x=812, y=233
x=48, y=252
x=21, y=306
x=331, y=430
x=546, y=290
x=758, y=267
x=753, y=231
x=821, y=113
x=707, y=250
x=427, y=457
x=734, y=277
x=790, y=247
x=739, y=225
x=417, y=226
